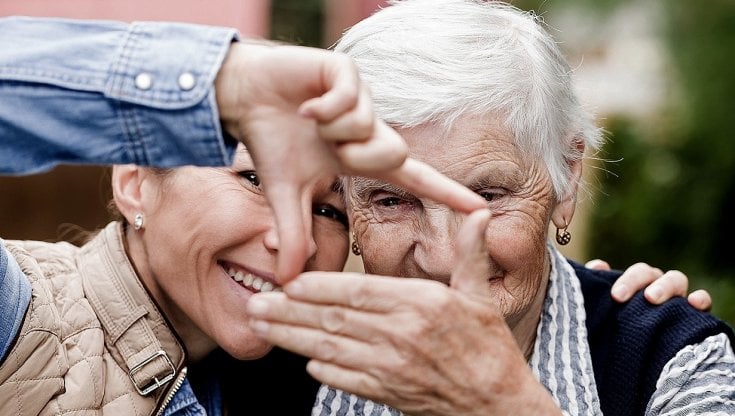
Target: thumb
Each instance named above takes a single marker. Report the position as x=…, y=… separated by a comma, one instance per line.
x=471, y=274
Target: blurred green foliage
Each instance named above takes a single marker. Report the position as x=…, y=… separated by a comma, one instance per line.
x=297, y=21
x=672, y=198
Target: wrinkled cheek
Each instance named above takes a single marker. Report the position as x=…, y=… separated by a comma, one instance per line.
x=521, y=262
x=383, y=248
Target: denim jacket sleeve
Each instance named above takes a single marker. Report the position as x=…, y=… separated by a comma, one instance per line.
x=105, y=92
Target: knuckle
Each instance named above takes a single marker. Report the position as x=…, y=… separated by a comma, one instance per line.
x=679, y=280
x=400, y=149
x=363, y=125
x=326, y=350
x=333, y=319
x=402, y=363
x=640, y=268
x=368, y=386
x=344, y=59
x=360, y=296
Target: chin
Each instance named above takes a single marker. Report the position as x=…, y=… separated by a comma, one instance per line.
x=249, y=350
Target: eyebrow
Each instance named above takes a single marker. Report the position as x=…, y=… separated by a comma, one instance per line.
x=338, y=187
x=364, y=186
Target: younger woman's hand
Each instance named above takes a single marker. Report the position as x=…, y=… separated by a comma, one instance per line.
x=659, y=286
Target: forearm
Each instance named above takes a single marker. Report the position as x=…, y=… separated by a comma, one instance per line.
x=109, y=92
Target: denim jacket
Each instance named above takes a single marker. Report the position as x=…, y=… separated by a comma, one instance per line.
x=104, y=92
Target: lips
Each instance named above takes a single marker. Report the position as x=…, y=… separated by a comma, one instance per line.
x=251, y=281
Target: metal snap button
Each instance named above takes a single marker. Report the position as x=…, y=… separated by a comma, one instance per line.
x=187, y=81
x=143, y=81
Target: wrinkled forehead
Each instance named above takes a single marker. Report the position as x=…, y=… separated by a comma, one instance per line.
x=473, y=151
x=466, y=139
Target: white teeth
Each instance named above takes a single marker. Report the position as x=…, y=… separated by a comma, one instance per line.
x=253, y=282
x=248, y=280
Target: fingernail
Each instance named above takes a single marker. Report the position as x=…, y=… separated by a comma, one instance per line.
x=294, y=288
x=256, y=306
x=314, y=367
x=620, y=292
x=654, y=294
x=259, y=327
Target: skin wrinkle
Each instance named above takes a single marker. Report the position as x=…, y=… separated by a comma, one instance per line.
x=416, y=237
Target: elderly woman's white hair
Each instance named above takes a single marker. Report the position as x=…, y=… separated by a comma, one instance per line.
x=457, y=57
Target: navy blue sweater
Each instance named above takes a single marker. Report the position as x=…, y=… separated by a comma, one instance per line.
x=630, y=343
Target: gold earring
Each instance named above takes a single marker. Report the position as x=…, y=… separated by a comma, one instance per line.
x=138, y=221
x=355, y=247
x=563, y=237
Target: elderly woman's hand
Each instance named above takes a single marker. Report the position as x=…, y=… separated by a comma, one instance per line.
x=659, y=286
x=414, y=344
x=303, y=113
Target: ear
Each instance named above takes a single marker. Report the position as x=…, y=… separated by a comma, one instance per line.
x=564, y=210
x=127, y=182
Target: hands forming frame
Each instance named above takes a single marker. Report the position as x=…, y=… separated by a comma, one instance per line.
x=304, y=112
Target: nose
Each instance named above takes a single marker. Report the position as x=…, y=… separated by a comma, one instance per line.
x=435, y=240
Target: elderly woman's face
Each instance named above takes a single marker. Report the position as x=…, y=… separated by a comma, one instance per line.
x=401, y=235
x=211, y=242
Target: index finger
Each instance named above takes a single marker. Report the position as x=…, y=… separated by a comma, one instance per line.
x=358, y=291
x=341, y=86
x=421, y=179
x=634, y=278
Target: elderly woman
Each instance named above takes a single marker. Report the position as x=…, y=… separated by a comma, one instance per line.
x=482, y=93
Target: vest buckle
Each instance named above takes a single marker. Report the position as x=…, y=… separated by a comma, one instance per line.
x=156, y=380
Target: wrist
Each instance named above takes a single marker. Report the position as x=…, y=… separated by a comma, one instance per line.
x=237, y=83
x=227, y=89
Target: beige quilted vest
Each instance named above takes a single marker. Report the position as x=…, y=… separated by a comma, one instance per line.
x=92, y=341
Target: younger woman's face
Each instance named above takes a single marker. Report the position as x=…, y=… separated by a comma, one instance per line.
x=210, y=241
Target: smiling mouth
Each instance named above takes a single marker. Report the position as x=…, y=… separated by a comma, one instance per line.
x=252, y=282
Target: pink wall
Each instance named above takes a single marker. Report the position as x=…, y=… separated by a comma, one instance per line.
x=341, y=14
x=251, y=17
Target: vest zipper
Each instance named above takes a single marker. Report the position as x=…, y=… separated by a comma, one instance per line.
x=171, y=393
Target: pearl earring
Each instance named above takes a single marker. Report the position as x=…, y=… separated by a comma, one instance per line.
x=138, y=221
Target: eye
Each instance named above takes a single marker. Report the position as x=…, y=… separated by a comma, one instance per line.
x=391, y=201
x=492, y=195
x=489, y=196
x=250, y=176
x=331, y=212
